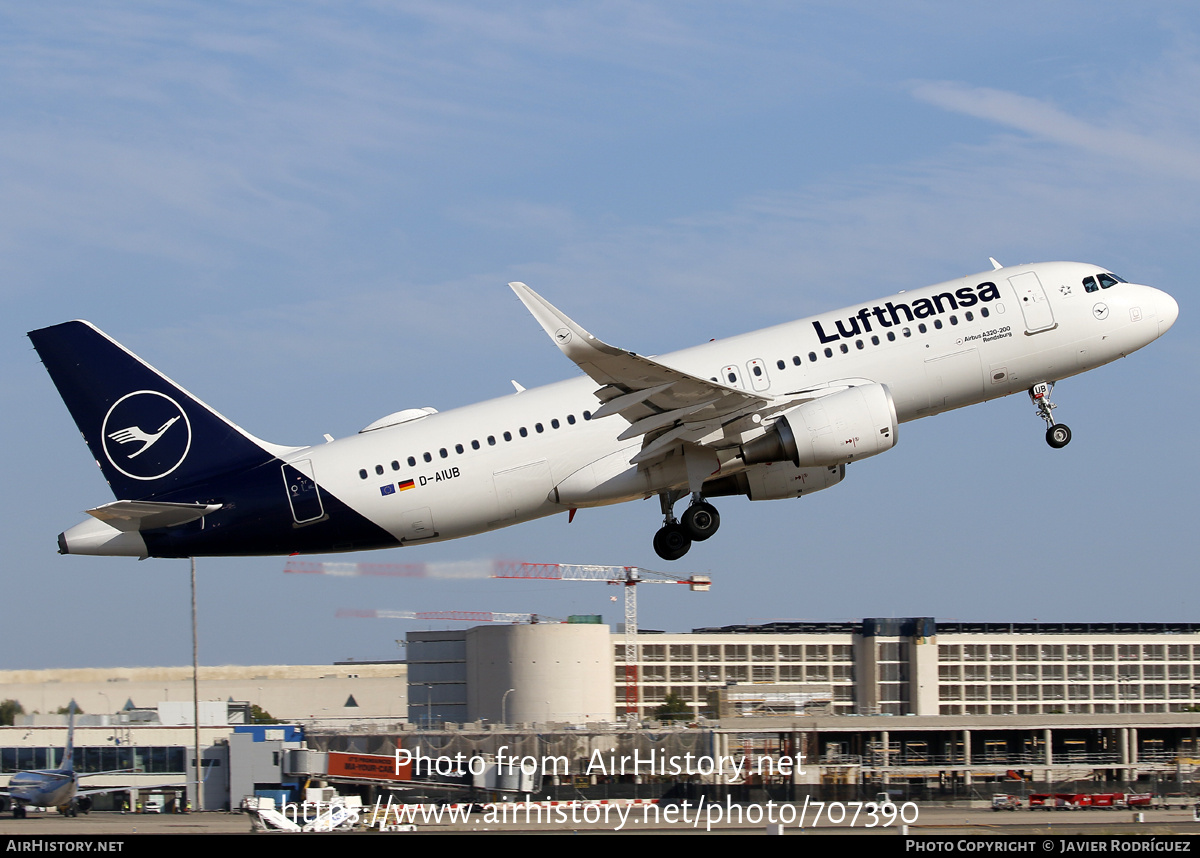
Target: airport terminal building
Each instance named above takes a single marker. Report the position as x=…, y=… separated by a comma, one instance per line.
x=879, y=666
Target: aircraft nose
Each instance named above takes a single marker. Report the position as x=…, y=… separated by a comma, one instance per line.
x=1168, y=312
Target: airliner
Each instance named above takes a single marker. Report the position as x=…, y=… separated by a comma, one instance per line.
x=59, y=788
x=774, y=414
x=52, y=787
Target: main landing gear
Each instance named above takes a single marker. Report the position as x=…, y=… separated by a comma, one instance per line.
x=674, y=538
x=1058, y=435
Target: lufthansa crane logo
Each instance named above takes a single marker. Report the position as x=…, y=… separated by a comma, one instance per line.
x=146, y=435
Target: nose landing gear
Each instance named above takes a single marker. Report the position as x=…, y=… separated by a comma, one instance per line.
x=1058, y=435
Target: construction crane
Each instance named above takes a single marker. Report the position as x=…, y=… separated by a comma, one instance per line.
x=626, y=576
x=454, y=616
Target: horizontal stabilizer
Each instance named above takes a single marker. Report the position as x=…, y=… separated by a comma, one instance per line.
x=127, y=515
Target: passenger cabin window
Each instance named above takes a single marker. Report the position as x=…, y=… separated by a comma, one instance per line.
x=458, y=448
x=412, y=461
x=507, y=436
x=571, y=419
x=427, y=457
x=362, y=473
x=780, y=364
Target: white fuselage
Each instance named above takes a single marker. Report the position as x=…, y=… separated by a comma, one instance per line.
x=499, y=462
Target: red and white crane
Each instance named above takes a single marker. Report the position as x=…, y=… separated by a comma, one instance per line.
x=625, y=576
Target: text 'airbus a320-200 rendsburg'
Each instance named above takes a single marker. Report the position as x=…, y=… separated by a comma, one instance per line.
x=777, y=413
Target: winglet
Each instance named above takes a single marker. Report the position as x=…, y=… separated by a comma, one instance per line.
x=571, y=338
x=996, y=266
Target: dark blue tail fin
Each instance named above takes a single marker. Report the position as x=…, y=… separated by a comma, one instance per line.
x=149, y=436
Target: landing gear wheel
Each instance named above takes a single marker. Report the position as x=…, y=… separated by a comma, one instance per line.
x=701, y=520
x=1058, y=436
x=672, y=541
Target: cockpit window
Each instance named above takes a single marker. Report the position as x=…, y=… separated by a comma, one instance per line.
x=1106, y=281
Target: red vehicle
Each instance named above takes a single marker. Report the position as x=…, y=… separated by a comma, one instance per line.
x=1042, y=800
x=1072, y=800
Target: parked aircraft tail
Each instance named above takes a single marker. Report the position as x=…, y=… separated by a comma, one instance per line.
x=68, y=760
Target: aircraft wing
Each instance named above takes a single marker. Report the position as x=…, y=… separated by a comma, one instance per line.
x=126, y=787
x=666, y=406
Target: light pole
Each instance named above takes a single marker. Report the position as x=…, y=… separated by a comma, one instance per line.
x=504, y=705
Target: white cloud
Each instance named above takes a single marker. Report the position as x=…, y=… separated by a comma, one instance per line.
x=1043, y=120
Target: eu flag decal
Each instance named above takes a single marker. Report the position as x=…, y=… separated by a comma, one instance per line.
x=389, y=489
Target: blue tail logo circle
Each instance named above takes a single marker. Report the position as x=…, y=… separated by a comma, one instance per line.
x=146, y=435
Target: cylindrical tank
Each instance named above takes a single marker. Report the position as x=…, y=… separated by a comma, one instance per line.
x=539, y=673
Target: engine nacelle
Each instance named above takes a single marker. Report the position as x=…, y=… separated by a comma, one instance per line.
x=832, y=430
x=776, y=481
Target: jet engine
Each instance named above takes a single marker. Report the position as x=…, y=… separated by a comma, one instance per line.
x=831, y=430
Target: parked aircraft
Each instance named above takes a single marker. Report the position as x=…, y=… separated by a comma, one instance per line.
x=777, y=413
x=51, y=787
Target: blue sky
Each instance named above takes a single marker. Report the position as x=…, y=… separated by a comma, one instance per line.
x=306, y=213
